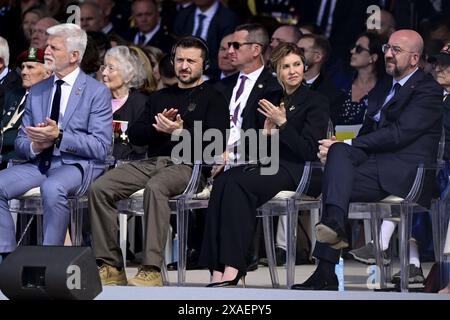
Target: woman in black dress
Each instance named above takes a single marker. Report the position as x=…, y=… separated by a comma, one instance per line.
x=300, y=119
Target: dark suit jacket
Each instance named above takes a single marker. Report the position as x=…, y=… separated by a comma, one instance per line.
x=408, y=133
x=12, y=81
x=307, y=122
x=266, y=87
x=161, y=40
x=224, y=22
x=12, y=100
x=335, y=96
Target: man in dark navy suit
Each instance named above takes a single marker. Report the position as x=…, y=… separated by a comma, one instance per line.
x=209, y=20
x=401, y=129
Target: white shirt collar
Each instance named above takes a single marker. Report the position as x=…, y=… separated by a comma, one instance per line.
x=149, y=35
x=210, y=12
x=107, y=28
x=4, y=73
x=403, y=80
x=253, y=76
x=311, y=81
x=70, y=78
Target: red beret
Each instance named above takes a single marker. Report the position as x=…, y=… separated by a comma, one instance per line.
x=32, y=54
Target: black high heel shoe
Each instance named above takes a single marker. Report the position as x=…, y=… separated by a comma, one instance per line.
x=230, y=283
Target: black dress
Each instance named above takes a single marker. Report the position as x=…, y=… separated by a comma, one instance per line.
x=238, y=192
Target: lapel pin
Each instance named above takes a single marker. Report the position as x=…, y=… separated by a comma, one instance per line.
x=292, y=108
x=78, y=92
x=9, y=113
x=260, y=86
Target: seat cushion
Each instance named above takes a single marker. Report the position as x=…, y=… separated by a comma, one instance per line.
x=392, y=199
x=35, y=192
x=139, y=193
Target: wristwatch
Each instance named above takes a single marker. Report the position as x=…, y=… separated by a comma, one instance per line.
x=58, y=140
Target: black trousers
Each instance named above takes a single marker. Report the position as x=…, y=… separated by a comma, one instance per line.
x=350, y=176
x=231, y=214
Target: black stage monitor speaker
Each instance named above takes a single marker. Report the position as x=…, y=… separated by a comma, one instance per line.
x=50, y=272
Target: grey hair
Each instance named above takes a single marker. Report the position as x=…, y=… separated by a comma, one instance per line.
x=130, y=66
x=256, y=33
x=4, y=51
x=75, y=38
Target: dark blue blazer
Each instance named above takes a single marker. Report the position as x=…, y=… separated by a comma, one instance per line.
x=408, y=132
x=224, y=22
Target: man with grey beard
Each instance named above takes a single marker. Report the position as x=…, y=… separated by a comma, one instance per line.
x=67, y=123
x=401, y=130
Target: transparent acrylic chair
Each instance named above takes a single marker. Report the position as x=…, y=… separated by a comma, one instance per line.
x=400, y=210
x=30, y=203
x=289, y=203
x=179, y=205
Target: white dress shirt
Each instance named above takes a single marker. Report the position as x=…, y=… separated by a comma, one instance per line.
x=148, y=36
x=66, y=89
x=206, y=21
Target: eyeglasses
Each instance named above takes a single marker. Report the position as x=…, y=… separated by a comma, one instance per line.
x=236, y=45
x=358, y=49
x=308, y=50
x=395, y=49
x=108, y=67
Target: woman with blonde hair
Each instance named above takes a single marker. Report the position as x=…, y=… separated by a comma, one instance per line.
x=299, y=118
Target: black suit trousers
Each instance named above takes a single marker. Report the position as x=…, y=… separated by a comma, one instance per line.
x=350, y=176
x=231, y=214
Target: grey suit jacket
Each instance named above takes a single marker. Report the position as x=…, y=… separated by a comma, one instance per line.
x=87, y=121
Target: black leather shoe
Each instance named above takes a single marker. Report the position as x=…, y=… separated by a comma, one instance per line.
x=318, y=281
x=230, y=283
x=252, y=265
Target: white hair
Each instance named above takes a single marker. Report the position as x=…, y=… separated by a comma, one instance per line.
x=75, y=38
x=130, y=66
x=4, y=51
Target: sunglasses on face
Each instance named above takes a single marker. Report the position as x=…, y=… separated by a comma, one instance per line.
x=236, y=45
x=358, y=49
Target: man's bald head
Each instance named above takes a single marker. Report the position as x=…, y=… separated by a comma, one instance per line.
x=402, y=53
x=410, y=40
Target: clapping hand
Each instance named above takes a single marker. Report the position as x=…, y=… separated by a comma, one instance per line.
x=164, y=124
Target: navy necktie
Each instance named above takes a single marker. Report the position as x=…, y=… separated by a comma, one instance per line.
x=141, y=39
x=199, y=31
x=46, y=155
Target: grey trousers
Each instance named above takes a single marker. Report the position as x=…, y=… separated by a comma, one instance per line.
x=161, y=180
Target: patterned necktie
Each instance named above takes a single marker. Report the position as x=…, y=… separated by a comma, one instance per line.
x=238, y=94
x=46, y=155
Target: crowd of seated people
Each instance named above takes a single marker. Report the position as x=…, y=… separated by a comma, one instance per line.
x=134, y=75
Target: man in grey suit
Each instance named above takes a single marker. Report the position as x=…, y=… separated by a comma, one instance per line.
x=67, y=124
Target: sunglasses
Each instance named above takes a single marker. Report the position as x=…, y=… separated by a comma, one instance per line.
x=236, y=45
x=358, y=49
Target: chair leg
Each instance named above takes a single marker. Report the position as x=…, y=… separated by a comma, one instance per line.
x=315, y=216
x=406, y=212
x=376, y=230
x=123, y=236
x=182, y=224
x=76, y=224
x=292, y=221
x=269, y=242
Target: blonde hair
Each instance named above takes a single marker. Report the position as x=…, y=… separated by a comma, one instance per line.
x=146, y=70
x=281, y=51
